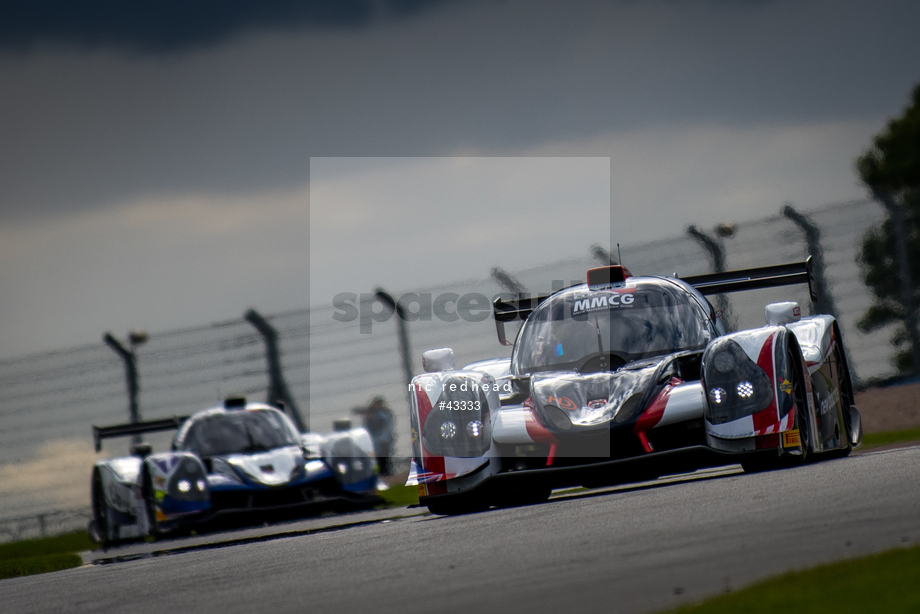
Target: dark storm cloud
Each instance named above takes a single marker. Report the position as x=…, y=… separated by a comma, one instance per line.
x=150, y=26
x=89, y=130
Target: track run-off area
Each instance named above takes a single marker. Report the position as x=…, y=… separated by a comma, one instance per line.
x=631, y=549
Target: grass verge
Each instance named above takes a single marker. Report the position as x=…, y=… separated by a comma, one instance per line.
x=400, y=496
x=13, y=568
x=874, y=440
x=884, y=582
x=32, y=556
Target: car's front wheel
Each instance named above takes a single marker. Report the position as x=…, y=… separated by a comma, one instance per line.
x=523, y=494
x=455, y=505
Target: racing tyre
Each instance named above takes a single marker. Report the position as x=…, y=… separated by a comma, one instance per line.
x=524, y=495
x=457, y=504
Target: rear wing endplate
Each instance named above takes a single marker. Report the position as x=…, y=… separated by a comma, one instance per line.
x=755, y=279
x=509, y=311
x=123, y=430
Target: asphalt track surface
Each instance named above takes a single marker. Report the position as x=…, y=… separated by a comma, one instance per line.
x=631, y=549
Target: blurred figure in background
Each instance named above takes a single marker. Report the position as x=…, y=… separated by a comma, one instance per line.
x=381, y=424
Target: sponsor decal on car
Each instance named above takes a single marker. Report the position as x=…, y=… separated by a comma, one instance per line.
x=432, y=488
x=828, y=403
x=563, y=402
x=786, y=386
x=792, y=439
x=599, y=301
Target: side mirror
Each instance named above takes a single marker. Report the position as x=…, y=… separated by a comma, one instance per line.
x=438, y=360
x=513, y=386
x=342, y=424
x=143, y=450
x=778, y=314
x=312, y=445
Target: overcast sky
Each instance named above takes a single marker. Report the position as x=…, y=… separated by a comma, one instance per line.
x=155, y=158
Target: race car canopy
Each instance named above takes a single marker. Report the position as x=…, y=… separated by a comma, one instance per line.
x=607, y=275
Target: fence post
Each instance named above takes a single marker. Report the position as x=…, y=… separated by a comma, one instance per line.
x=507, y=281
x=130, y=360
x=602, y=255
x=405, y=349
x=825, y=302
x=277, y=389
x=715, y=249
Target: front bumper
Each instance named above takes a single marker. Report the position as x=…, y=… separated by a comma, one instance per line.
x=243, y=505
x=602, y=472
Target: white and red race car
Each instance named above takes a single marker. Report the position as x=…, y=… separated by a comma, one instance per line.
x=627, y=378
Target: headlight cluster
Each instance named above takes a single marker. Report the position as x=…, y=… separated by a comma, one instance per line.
x=744, y=390
x=448, y=430
x=189, y=482
x=351, y=463
x=186, y=486
x=356, y=465
x=735, y=385
x=463, y=433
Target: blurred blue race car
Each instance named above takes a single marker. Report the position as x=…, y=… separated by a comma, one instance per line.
x=241, y=460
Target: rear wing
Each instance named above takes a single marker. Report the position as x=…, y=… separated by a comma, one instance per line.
x=136, y=428
x=755, y=279
x=712, y=283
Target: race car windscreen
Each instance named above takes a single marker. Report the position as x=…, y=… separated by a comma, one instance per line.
x=570, y=331
x=244, y=431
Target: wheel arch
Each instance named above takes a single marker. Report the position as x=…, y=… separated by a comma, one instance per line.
x=838, y=341
x=791, y=342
